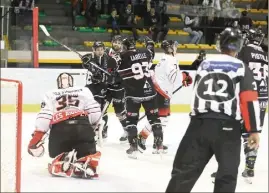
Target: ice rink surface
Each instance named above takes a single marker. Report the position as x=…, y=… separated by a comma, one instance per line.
x=118, y=173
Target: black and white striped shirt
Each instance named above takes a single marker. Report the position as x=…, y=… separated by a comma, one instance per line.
x=225, y=85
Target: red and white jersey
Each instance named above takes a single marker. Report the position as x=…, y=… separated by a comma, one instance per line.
x=167, y=76
x=60, y=104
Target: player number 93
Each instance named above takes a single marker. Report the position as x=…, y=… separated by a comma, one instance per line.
x=139, y=71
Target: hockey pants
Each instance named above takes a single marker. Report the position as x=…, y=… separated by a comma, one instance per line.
x=203, y=139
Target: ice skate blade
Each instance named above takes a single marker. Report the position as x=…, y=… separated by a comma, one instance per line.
x=248, y=180
x=124, y=142
x=159, y=152
x=133, y=155
x=140, y=149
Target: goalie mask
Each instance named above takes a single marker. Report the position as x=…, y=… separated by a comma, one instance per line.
x=65, y=80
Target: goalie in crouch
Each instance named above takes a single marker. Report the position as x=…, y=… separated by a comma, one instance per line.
x=71, y=114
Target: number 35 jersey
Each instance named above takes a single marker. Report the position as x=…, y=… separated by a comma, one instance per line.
x=225, y=86
x=59, y=104
x=134, y=71
x=257, y=60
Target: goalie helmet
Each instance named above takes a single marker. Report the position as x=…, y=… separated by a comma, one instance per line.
x=65, y=80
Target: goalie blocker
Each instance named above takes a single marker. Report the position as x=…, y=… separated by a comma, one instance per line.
x=71, y=114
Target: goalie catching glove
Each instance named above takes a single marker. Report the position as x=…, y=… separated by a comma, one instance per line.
x=35, y=147
x=187, y=79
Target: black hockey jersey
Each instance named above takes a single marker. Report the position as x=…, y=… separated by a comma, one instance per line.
x=95, y=75
x=134, y=71
x=224, y=86
x=257, y=60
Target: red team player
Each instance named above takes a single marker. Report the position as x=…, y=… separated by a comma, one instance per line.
x=166, y=78
x=70, y=114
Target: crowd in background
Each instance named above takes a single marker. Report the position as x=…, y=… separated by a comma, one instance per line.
x=123, y=15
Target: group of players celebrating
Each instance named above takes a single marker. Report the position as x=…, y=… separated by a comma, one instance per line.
x=121, y=75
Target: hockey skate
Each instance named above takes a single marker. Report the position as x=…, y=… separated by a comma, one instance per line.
x=165, y=148
x=133, y=150
x=248, y=175
x=158, y=142
x=141, y=143
x=124, y=137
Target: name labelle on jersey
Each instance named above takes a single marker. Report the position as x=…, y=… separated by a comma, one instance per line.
x=139, y=56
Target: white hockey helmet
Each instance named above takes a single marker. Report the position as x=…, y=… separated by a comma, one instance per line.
x=65, y=80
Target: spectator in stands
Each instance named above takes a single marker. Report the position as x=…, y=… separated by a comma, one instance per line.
x=78, y=8
x=113, y=22
x=245, y=22
x=93, y=10
x=191, y=24
x=212, y=3
x=128, y=20
x=153, y=22
x=186, y=2
x=142, y=7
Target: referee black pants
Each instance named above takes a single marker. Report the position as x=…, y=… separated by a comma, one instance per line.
x=204, y=138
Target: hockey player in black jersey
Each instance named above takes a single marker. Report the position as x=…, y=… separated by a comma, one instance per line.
x=224, y=93
x=115, y=90
x=256, y=58
x=99, y=83
x=96, y=79
x=139, y=90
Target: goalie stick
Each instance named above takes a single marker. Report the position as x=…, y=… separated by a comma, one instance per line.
x=173, y=93
x=44, y=29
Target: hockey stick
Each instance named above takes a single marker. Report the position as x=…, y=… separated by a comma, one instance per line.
x=44, y=29
x=173, y=93
x=101, y=126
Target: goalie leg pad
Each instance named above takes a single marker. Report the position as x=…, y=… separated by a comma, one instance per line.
x=62, y=164
x=87, y=167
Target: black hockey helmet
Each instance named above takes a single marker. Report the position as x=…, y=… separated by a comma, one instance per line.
x=65, y=80
x=255, y=36
x=98, y=44
x=128, y=43
x=230, y=39
x=202, y=55
x=167, y=45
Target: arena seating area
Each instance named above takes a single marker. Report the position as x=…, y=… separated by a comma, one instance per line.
x=57, y=19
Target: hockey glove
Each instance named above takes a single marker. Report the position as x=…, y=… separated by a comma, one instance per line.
x=187, y=79
x=97, y=77
x=114, y=78
x=35, y=147
x=85, y=61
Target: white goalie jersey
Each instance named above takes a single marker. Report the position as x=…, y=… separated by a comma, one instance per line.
x=60, y=104
x=167, y=76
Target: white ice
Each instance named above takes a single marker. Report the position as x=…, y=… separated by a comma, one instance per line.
x=118, y=173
